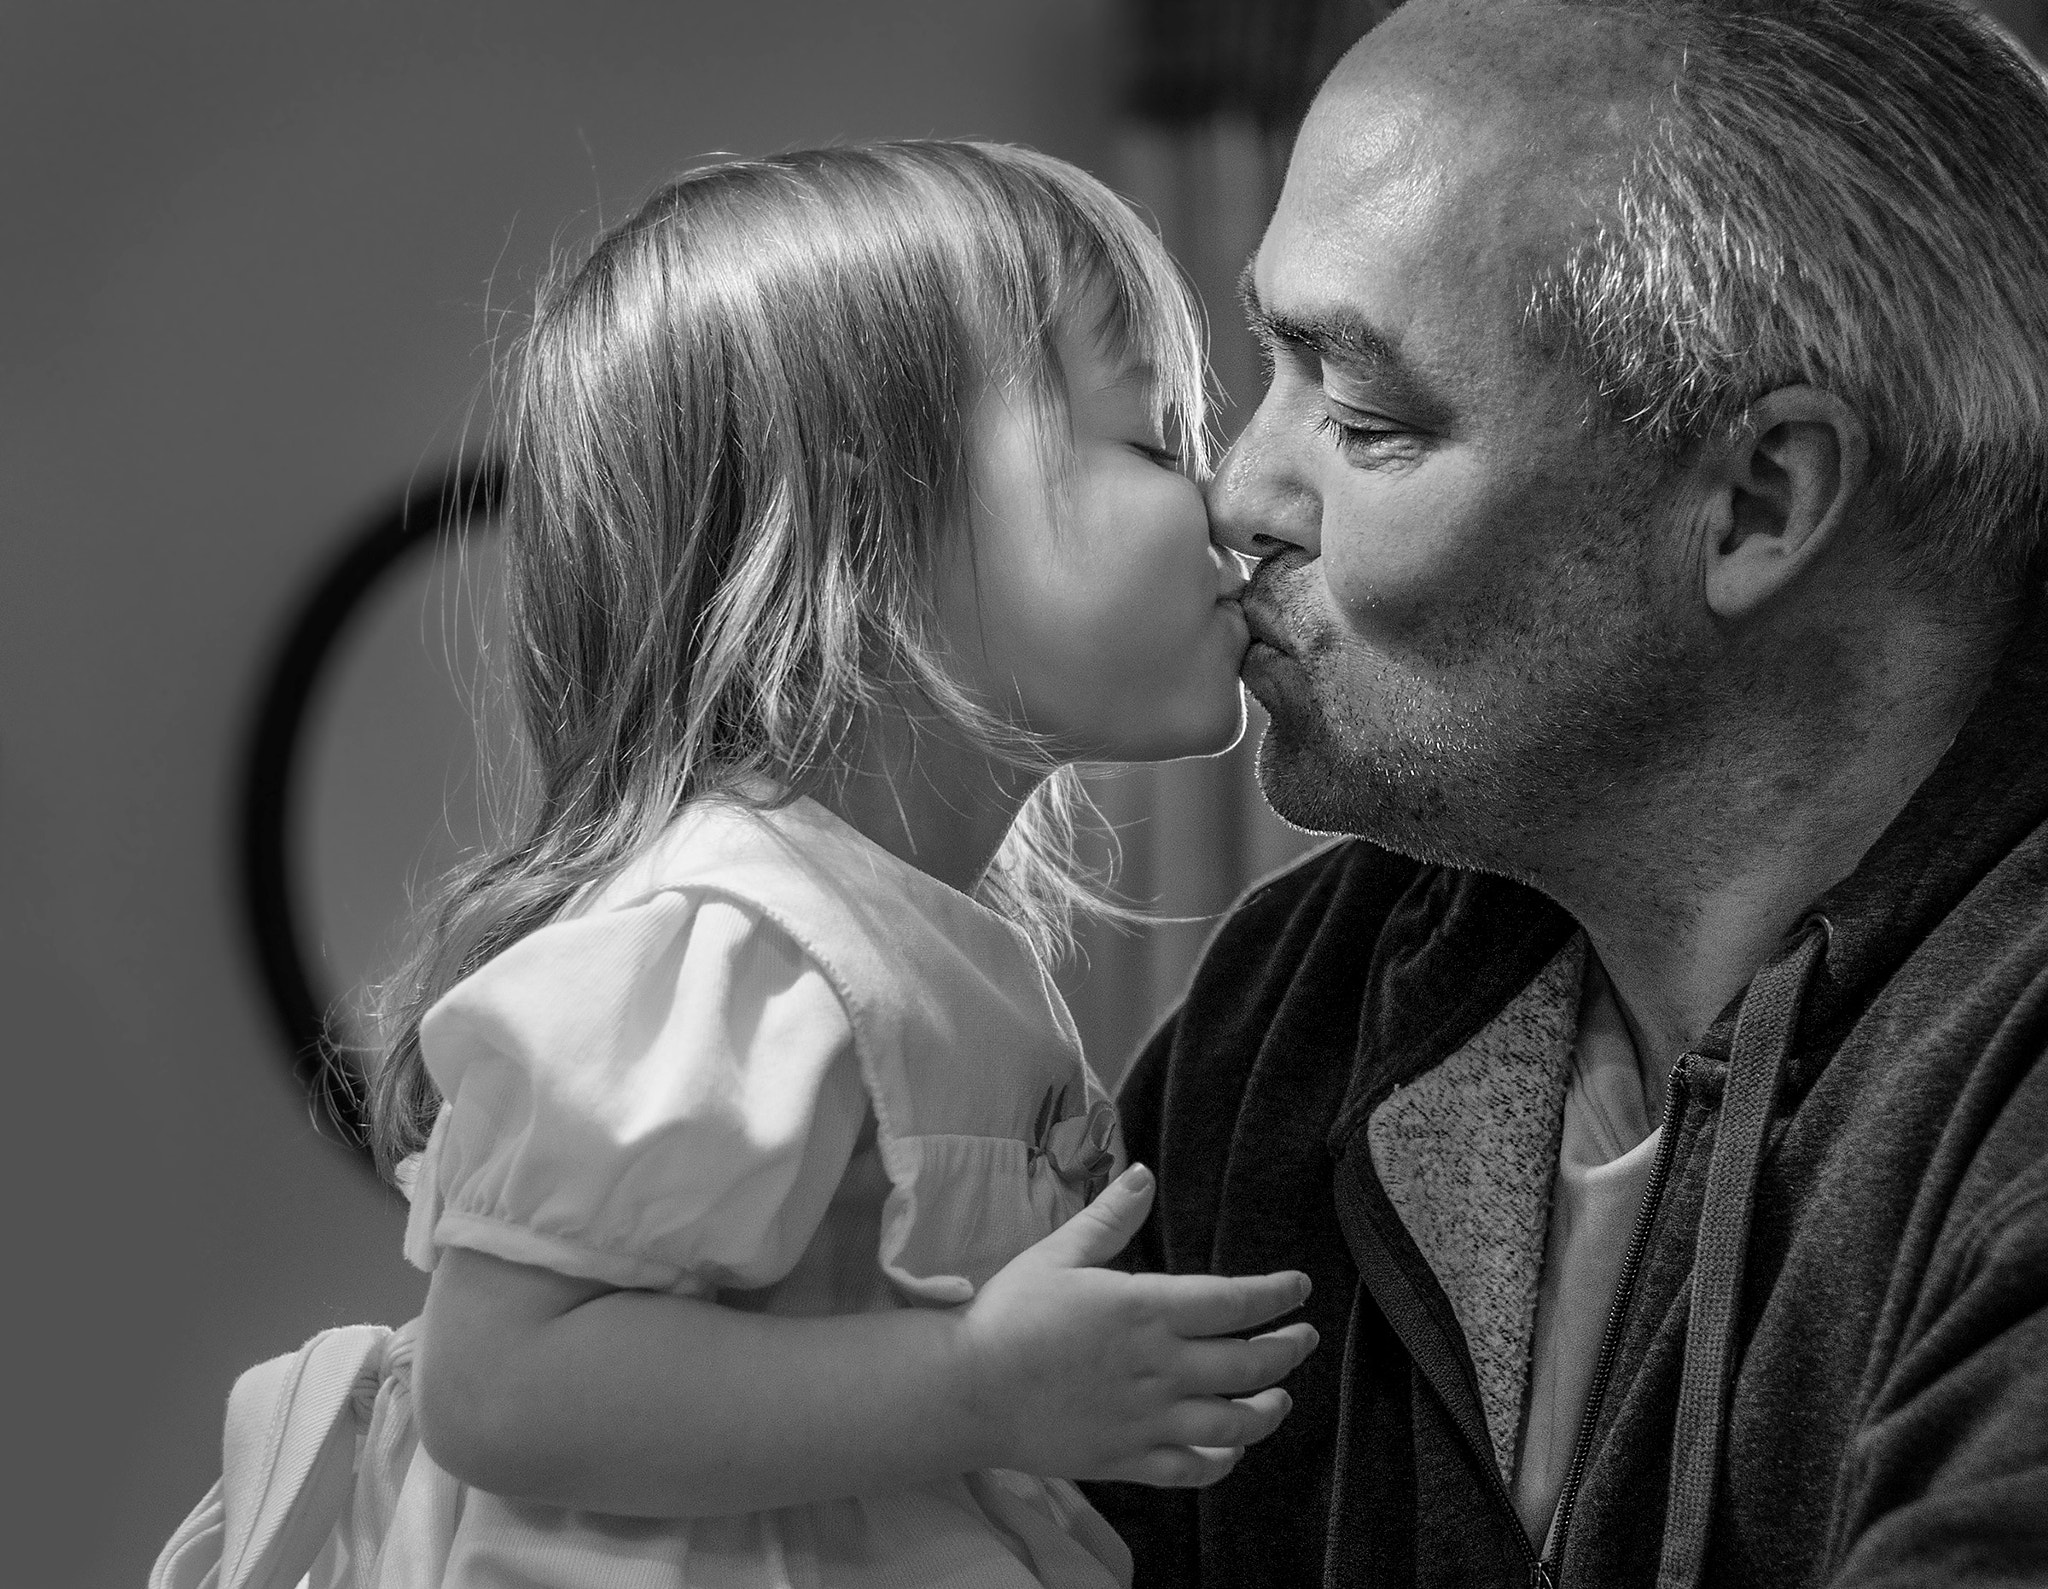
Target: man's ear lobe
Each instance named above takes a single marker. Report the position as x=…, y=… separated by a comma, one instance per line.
x=1786, y=488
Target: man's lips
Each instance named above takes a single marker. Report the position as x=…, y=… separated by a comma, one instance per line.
x=1263, y=631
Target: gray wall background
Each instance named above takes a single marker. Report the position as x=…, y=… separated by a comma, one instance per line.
x=254, y=261
x=252, y=258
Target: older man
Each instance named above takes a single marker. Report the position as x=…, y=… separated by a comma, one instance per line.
x=1648, y=505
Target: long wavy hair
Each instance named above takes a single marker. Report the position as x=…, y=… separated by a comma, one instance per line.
x=737, y=439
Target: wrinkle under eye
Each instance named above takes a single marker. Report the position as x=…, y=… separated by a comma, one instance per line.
x=1382, y=444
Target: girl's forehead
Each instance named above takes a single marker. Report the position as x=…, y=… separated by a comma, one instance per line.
x=1097, y=352
x=1113, y=375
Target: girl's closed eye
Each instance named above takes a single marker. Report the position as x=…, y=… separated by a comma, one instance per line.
x=1101, y=625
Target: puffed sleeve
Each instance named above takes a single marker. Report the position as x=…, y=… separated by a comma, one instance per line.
x=662, y=1097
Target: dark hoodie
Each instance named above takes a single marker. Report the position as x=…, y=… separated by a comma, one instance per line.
x=1884, y=1417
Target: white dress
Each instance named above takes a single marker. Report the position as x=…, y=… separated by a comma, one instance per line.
x=767, y=1064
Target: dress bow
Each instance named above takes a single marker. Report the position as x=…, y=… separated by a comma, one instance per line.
x=1081, y=1148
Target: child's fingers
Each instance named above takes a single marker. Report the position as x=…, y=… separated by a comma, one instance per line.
x=1197, y=1305
x=1178, y=1467
x=1265, y=1413
x=1225, y=1366
x=1216, y=1421
x=1105, y=1227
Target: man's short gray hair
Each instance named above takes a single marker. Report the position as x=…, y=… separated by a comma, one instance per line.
x=1850, y=194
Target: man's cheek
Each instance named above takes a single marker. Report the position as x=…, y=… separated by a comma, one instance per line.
x=1381, y=593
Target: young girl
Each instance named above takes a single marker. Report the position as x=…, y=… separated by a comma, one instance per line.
x=744, y=1129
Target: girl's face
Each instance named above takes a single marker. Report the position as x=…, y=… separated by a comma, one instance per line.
x=1106, y=621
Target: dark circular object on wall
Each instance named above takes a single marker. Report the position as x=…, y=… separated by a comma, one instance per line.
x=425, y=514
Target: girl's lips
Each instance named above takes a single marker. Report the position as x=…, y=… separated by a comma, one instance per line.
x=1262, y=632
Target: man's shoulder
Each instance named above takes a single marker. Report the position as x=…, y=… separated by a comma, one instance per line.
x=1349, y=971
x=1334, y=900
x=1365, y=933
x=1291, y=959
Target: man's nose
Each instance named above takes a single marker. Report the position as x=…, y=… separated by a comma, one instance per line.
x=1260, y=503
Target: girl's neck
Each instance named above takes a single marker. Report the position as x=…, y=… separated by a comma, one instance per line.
x=927, y=797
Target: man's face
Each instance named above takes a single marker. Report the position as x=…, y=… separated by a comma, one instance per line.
x=1461, y=616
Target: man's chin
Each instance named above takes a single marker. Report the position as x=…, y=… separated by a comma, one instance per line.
x=1311, y=787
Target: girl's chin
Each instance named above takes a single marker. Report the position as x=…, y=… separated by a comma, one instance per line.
x=1230, y=723
x=1205, y=727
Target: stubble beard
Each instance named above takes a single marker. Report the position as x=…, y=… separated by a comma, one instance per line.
x=1524, y=730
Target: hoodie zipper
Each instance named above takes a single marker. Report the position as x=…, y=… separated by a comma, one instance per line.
x=1545, y=1573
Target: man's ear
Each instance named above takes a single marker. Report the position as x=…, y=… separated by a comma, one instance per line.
x=1782, y=489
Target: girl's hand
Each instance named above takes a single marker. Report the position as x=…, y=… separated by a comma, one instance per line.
x=1083, y=1372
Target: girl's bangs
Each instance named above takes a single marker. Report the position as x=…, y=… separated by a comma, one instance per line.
x=1148, y=318
x=1064, y=253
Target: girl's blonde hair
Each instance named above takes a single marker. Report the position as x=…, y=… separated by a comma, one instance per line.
x=738, y=442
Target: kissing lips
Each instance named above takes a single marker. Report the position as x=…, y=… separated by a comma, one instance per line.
x=1269, y=669
x=1263, y=631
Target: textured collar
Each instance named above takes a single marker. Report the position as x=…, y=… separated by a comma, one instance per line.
x=1467, y=1154
x=1455, y=949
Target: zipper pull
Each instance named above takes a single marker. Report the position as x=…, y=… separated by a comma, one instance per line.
x=1539, y=1576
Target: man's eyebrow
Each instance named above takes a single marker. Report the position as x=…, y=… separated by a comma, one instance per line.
x=1346, y=338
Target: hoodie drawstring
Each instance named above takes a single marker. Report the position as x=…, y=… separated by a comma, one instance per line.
x=1764, y=1029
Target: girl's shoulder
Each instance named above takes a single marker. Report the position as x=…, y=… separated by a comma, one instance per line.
x=764, y=853
x=876, y=925
x=735, y=965
x=946, y=999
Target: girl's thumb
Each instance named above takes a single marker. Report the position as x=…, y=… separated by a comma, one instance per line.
x=1105, y=1227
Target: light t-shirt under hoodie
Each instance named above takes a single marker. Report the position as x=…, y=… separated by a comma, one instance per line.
x=1604, y=1160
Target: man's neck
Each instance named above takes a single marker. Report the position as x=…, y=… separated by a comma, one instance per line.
x=1686, y=899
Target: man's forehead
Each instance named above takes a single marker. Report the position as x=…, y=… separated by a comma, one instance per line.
x=1393, y=223
x=1443, y=165
x=1516, y=57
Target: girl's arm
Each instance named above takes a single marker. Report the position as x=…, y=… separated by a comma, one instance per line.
x=550, y=1389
